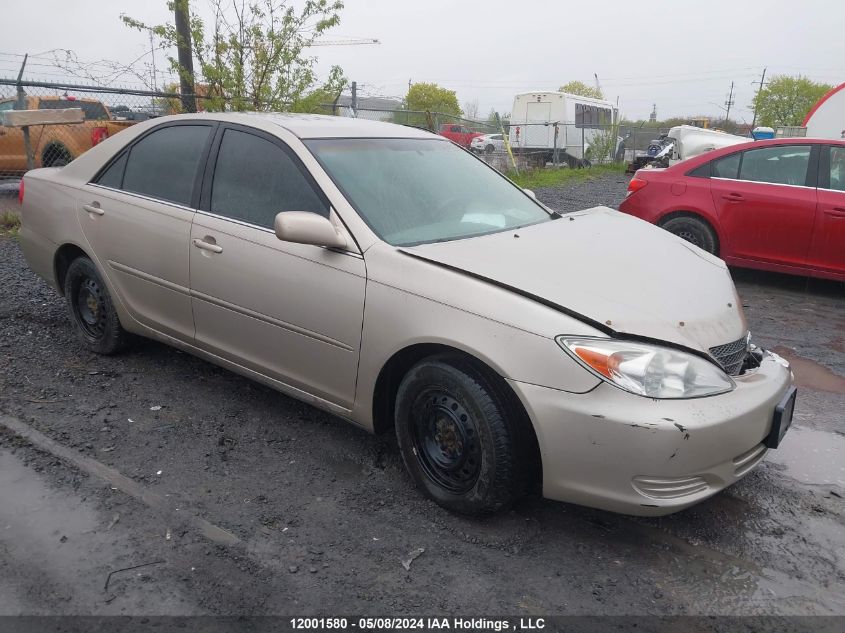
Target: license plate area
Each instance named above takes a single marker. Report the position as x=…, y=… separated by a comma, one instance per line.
x=782, y=419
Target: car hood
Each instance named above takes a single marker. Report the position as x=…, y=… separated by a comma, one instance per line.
x=619, y=273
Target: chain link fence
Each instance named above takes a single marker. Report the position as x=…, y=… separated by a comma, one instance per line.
x=108, y=111
x=105, y=112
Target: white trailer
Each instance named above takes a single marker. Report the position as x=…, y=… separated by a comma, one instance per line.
x=579, y=119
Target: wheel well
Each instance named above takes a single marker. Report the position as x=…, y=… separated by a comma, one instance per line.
x=52, y=152
x=62, y=261
x=697, y=216
x=387, y=384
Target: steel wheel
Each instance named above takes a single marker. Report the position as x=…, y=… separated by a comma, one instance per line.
x=446, y=441
x=90, y=311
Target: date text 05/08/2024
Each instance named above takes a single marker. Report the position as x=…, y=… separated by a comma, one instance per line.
x=418, y=624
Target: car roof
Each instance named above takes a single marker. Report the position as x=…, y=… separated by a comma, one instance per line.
x=713, y=154
x=307, y=126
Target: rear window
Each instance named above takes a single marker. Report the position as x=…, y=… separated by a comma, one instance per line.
x=727, y=167
x=92, y=110
x=780, y=165
x=164, y=163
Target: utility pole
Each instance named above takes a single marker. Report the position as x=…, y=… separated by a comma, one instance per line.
x=762, y=83
x=355, y=96
x=153, y=74
x=729, y=103
x=186, y=58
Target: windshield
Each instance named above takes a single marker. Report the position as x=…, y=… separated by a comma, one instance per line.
x=414, y=191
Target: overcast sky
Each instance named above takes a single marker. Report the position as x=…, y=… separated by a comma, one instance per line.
x=681, y=55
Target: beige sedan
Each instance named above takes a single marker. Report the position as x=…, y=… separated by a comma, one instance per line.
x=385, y=275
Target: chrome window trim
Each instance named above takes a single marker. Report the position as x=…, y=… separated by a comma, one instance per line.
x=761, y=182
x=132, y=194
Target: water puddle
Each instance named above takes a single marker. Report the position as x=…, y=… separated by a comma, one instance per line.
x=812, y=457
x=58, y=551
x=810, y=374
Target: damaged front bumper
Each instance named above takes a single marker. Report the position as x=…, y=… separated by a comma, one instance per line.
x=616, y=451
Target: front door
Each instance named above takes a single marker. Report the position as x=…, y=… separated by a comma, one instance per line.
x=764, y=203
x=137, y=217
x=828, y=250
x=292, y=312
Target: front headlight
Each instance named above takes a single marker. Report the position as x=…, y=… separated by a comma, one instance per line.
x=648, y=370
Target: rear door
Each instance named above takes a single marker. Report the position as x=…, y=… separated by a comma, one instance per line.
x=137, y=214
x=537, y=128
x=828, y=248
x=765, y=199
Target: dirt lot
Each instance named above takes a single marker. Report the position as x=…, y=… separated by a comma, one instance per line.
x=240, y=500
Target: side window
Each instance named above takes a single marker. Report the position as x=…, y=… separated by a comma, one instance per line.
x=255, y=179
x=164, y=164
x=702, y=171
x=113, y=176
x=7, y=105
x=837, y=167
x=780, y=165
x=726, y=167
x=456, y=128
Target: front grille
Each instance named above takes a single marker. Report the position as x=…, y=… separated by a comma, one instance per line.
x=731, y=355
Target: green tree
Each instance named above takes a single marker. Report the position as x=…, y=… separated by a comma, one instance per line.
x=576, y=87
x=432, y=98
x=254, y=55
x=786, y=100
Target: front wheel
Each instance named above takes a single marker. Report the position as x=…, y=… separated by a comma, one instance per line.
x=457, y=434
x=91, y=309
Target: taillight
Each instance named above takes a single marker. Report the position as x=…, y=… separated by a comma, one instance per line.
x=20, y=192
x=635, y=185
x=98, y=135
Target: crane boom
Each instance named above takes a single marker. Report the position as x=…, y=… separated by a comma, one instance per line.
x=351, y=42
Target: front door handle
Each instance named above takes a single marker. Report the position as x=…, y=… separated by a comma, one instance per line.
x=207, y=246
x=93, y=208
x=836, y=212
x=733, y=197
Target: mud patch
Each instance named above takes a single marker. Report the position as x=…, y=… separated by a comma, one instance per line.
x=810, y=374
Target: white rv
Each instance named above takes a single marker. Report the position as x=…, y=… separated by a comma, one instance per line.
x=579, y=119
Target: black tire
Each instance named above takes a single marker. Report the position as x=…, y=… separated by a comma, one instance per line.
x=489, y=150
x=693, y=230
x=92, y=312
x=459, y=436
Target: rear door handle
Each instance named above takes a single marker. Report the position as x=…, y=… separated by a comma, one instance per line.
x=733, y=197
x=207, y=246
x=91, y=208
x=836, y=212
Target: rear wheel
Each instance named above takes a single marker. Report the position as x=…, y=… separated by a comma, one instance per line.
x=489, y=150
x=458, y=436
x=693, y=230
x=91, y=309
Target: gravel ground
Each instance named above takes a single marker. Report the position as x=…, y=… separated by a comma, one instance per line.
x=323, y=514
x=605, y=190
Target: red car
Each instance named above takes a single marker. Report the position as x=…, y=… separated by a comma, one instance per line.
x=459, y=134
x=776, y=205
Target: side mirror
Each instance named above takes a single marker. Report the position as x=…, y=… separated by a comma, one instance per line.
x=305, y=227
x=530, y=193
